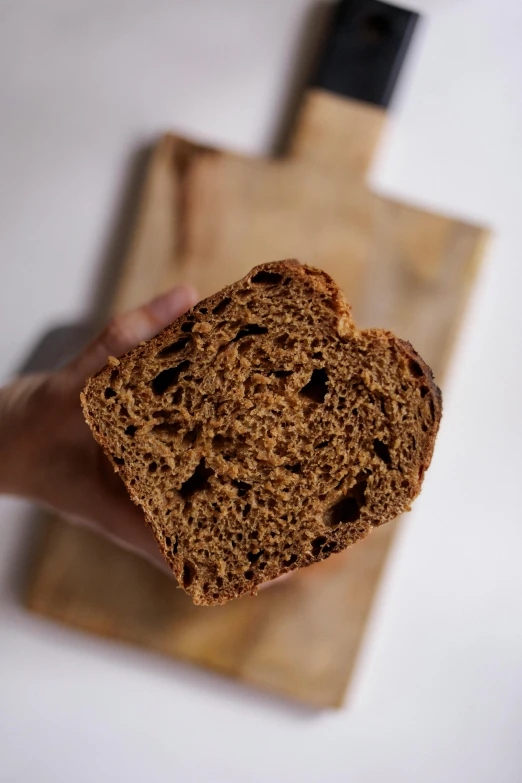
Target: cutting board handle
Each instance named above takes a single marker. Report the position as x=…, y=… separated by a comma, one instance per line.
x=343, y=110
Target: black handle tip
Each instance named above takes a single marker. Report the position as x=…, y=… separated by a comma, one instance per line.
x=365, y=50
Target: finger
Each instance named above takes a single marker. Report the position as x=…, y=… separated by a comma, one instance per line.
x=275, y=581
x=129, y=329
x=129, y=531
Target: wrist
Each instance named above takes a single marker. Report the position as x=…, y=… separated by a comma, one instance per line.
x=19, y=434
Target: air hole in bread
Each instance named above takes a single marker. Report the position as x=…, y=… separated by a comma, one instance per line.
x=317, y=544
x=189, y=573
x=153, y=466
x=415, y=368
x=283, y=373
x=118, y=460
x=242, y=487
x=329, y=548
x=220, y=442
x=253, y=557
x=187, y=326
x=190, y=437
x=248, y=330
x=175, y=347
x=285, y=341
x=168, y=378
x=130, y=430
x=245, y=346
x=222, y=306
x=198, y=481
x=267, y=278
x=317, y=386
x=109, y=392
x=348, y=508
x=249, y=574
x=291, y=560
x=293, y=468
x=382, y=450
x=345, y=510
x=424, y=390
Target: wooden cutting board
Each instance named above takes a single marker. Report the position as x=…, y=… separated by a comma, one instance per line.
x=207, y=217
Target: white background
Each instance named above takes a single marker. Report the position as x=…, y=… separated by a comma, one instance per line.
x=438, y=690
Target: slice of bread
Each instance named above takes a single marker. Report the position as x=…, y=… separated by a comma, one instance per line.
x=262, y=431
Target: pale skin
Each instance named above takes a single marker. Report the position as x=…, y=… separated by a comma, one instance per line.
x=47, y=453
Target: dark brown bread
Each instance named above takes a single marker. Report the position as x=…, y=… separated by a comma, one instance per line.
x=262, y=431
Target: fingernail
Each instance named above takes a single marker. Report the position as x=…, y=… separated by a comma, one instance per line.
x=170, y=305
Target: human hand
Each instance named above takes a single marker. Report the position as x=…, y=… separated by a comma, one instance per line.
x=47, y=452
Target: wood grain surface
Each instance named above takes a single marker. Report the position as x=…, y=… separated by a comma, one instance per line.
x=207, y=217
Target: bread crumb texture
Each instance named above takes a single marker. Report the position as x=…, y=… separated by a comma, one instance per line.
x=262, y=432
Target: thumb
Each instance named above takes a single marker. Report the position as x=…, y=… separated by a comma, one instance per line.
x=125, y=331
